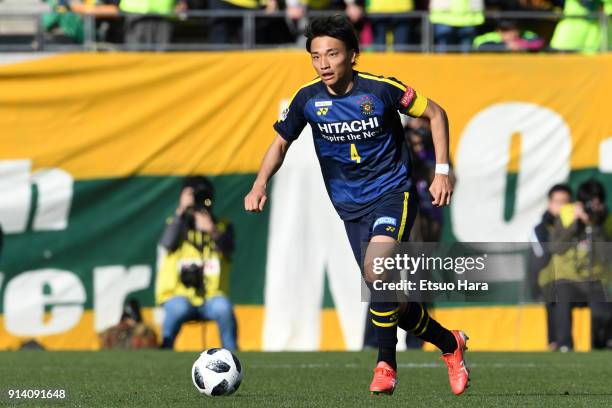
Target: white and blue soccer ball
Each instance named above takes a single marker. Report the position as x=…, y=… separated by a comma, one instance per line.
x=216, y=372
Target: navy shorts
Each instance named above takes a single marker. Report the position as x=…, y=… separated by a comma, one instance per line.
x=393, y=217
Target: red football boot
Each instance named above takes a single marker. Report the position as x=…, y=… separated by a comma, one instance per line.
x=384, y=381
x=458, y=372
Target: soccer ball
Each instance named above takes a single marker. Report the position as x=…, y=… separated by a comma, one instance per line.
x=216, y=372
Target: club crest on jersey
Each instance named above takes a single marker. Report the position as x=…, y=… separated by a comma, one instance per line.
x=366, y=104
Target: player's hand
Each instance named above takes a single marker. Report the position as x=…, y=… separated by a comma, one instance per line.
x=256, y=199
x=441, y=190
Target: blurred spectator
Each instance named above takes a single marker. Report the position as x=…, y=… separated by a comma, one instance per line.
x=225, y=30
x=398, y=25
x=539, y=256
x=454, y=23
x=354, y=10
x=296, y=10
x=96, y=7
x=582, y=34
x=275, y=30
x=193, y=279
x=523, y=5
x=508, y=37
x=66, y=17
x=579, y=269
x=147, y=22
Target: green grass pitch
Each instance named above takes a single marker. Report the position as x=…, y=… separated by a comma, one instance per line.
x=162, y=379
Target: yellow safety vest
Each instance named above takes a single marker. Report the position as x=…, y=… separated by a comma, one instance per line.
x=216, y=271
x=250, y=4
x=456, y=13
x=163, y=7
x=580, y=34
x=389, y=6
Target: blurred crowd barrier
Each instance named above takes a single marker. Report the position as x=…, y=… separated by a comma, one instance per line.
x=532, y=26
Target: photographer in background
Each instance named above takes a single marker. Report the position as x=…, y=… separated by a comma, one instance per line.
x=559, y=196
x=579, y=269
x=193, y=279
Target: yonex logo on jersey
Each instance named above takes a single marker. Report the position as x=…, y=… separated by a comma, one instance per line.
x=322, y=111
x=385, y=220
x=407, y=97
x=323, y=104
x=346, y=127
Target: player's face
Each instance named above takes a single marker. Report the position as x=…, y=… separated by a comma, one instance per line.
x=332, y=61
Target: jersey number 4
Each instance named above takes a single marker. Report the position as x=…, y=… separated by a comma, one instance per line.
x=355, y=154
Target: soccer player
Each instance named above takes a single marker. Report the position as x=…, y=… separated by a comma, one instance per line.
x=365, y=163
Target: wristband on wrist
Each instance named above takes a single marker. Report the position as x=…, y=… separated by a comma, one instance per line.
x=442, y=168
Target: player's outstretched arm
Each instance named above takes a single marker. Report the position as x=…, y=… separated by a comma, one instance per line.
x=441, y=187
x=273, y=159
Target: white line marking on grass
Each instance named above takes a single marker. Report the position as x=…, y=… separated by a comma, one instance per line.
x=292, y=366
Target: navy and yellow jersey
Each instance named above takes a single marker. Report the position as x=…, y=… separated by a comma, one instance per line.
x=358, y=138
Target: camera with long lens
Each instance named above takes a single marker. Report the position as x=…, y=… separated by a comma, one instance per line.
x=203, y=193
x=589, y=193
x=598, y=216
x=202, y=198
x=192, y=276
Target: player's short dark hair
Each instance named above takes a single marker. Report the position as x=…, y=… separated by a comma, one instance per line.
x=559, y=188
x=589, y=190
x=336, y=26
